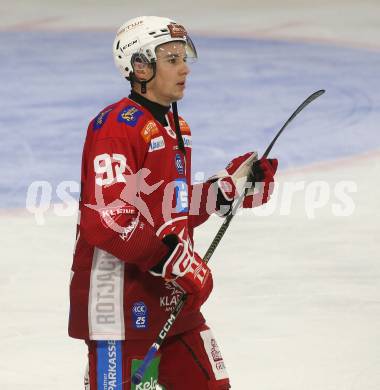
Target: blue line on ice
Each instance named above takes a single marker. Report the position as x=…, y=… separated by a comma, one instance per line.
x=239, y=94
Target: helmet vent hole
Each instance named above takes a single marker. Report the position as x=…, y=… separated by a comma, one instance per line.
x=119, y=57
x=152, y=33
x=164, y=30
x=126, y=69
x=118, y=44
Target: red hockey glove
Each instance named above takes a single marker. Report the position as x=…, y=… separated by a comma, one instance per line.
x=232, y=181
x=263, y=178
x=182, y=266
x=196, y=300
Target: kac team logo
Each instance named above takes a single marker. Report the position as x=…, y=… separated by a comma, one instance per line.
x=130, y=115
x=179, y=164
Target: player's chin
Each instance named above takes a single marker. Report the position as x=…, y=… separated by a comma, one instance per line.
x=178, y=96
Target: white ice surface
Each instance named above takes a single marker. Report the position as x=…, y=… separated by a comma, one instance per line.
x=296, y=304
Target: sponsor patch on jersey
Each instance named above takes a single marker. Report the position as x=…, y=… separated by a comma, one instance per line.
x=179, y=164
x=100, y=119
x=170, y=300
x=187, y=141
x=109, y=364
x=185, y=129
x=149, y=131
x=214, y=355
x=156, y=144
x=130, y=229
x=109, y=215
x=129, y=115
x=139, y=315
x=150, y=379
x=181, y=196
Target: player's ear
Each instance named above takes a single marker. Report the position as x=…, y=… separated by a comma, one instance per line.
x=142, y=71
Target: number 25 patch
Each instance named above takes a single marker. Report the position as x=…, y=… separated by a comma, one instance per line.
x=139, y=315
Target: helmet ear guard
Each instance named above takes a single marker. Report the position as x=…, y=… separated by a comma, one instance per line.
x=139, y=61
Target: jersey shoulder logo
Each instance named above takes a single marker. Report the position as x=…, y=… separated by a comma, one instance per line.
x=149, y=131
x=100, y=119
x=185, y=129
x=130, y=115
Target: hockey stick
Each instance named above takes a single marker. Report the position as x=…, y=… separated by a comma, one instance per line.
x=138, y=375
x=223, y=228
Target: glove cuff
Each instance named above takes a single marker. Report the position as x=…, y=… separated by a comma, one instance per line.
x=227, y=188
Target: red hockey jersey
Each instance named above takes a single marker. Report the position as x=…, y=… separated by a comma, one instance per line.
x=135, y=183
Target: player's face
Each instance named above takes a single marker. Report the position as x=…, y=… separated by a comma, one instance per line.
x=170, y=81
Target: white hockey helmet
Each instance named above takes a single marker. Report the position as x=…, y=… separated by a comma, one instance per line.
x=139, y=38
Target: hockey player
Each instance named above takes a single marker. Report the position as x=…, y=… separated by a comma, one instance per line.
x=134, y=252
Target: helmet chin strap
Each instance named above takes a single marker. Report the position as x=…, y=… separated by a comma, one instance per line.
x=180, y=143
x=143, y=83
